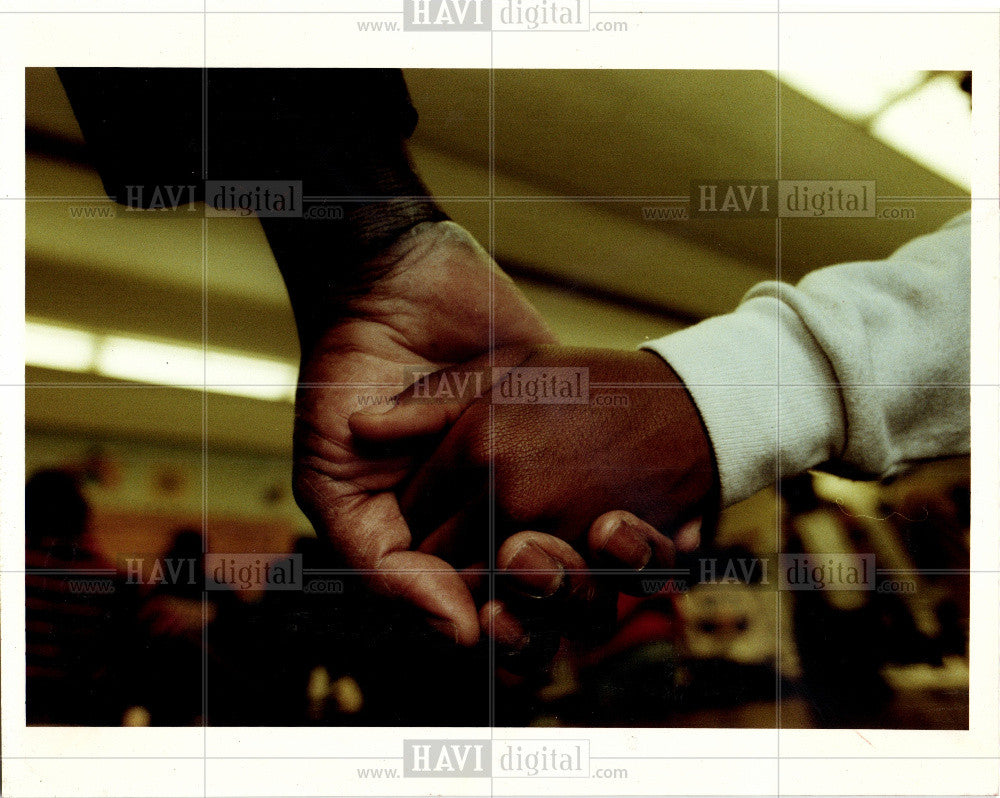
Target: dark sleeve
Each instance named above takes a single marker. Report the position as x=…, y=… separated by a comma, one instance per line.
x=169, y=128
x=156, y=136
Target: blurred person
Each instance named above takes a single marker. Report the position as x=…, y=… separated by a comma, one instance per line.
x=80, y=627
x=276, y=641
x=175, y=614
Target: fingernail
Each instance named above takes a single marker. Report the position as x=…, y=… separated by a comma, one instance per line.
x=536, y=573
x=444, y=627
x=629, y=547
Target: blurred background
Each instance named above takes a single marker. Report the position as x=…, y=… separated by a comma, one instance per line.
x=589, y=179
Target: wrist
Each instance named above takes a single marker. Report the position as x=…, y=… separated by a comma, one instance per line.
x=353, y=218
x=323, y=297
x=639, y=406
x=678, y=424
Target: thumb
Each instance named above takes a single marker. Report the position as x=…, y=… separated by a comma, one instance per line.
x=428, y=407
x=434, y=402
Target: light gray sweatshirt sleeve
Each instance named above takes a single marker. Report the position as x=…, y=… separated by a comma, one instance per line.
x=861, y=367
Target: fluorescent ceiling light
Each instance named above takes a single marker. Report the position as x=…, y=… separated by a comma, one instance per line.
x=933, y=127
x=150, y=361
x=56, y=347
x=931, y=123
x=155, y=362
x=257, y=377
x=855, y=95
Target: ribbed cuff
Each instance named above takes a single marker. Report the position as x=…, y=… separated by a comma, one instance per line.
x=765, y=390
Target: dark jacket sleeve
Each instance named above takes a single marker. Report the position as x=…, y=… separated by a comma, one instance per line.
x=149, y=129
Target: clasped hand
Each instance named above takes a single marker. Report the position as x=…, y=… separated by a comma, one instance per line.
x=562, y=492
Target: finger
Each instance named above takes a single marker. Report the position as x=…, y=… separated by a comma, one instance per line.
x=522, y=643
x=503, y=627
x=407, y=419
x=432, y=585
x=429, y=406
x=369, y=534
x=625, y=546
x=548, y=588
x=433, y=403
x=515, y=649
x=539, y=566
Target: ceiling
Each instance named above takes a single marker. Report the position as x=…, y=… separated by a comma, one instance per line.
x=576, y=156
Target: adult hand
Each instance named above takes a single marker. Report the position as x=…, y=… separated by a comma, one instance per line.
x=435, y=304
x=555, y=469
x=550, y=464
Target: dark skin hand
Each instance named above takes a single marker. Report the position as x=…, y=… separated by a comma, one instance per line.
x=555, y=469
